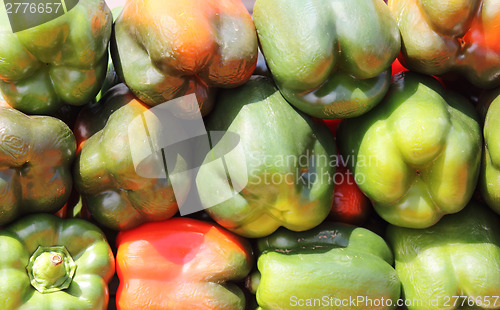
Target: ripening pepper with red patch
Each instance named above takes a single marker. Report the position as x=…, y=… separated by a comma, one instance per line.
x=109, y=134
x=451, y=37
x=167, y=49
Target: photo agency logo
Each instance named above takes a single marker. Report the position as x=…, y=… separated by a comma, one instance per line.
x=176, y=145
x=25, y=14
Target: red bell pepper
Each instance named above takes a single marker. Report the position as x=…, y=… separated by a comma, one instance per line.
x=181, y=264
x=349, y=204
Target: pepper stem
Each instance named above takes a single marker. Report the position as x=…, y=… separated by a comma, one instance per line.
x=51, y=269
x=56, y=259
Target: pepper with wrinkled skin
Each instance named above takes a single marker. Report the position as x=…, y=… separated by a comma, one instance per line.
x=104, y=173
x=417, y=155
x=455, y=262
x=181, y=264
x=329, y=58
x=62, y=61
x=451, y=36
x=489, y=181
x=52, y=264
x=167, y=49
x=280, y=172
x=331, y=262
x=36, y=154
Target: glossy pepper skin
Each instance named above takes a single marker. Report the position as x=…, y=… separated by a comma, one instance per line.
x=111, y=79
x=36, y=154
x=280, y=172
x=325, y=61
x=489, y=182
x=163, y=50
x=331, y=261
x=181, y=264
x=62, y=61
x=104, y=172
x=459, y=256
x=349, y=204
x=417, y=154
x=28, y=247
x=460, y=36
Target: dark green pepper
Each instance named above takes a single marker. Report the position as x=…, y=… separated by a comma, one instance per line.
x=36, y=154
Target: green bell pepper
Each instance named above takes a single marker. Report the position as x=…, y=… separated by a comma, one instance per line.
x=48, y=263
x=36, y=154
x=454, y=264
x=62, y=61
x=329, y=58
x=417, y=154
x=450, y=37
x=104, y=173
x=333, y=266
x=279, y=172
x=489, y=180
